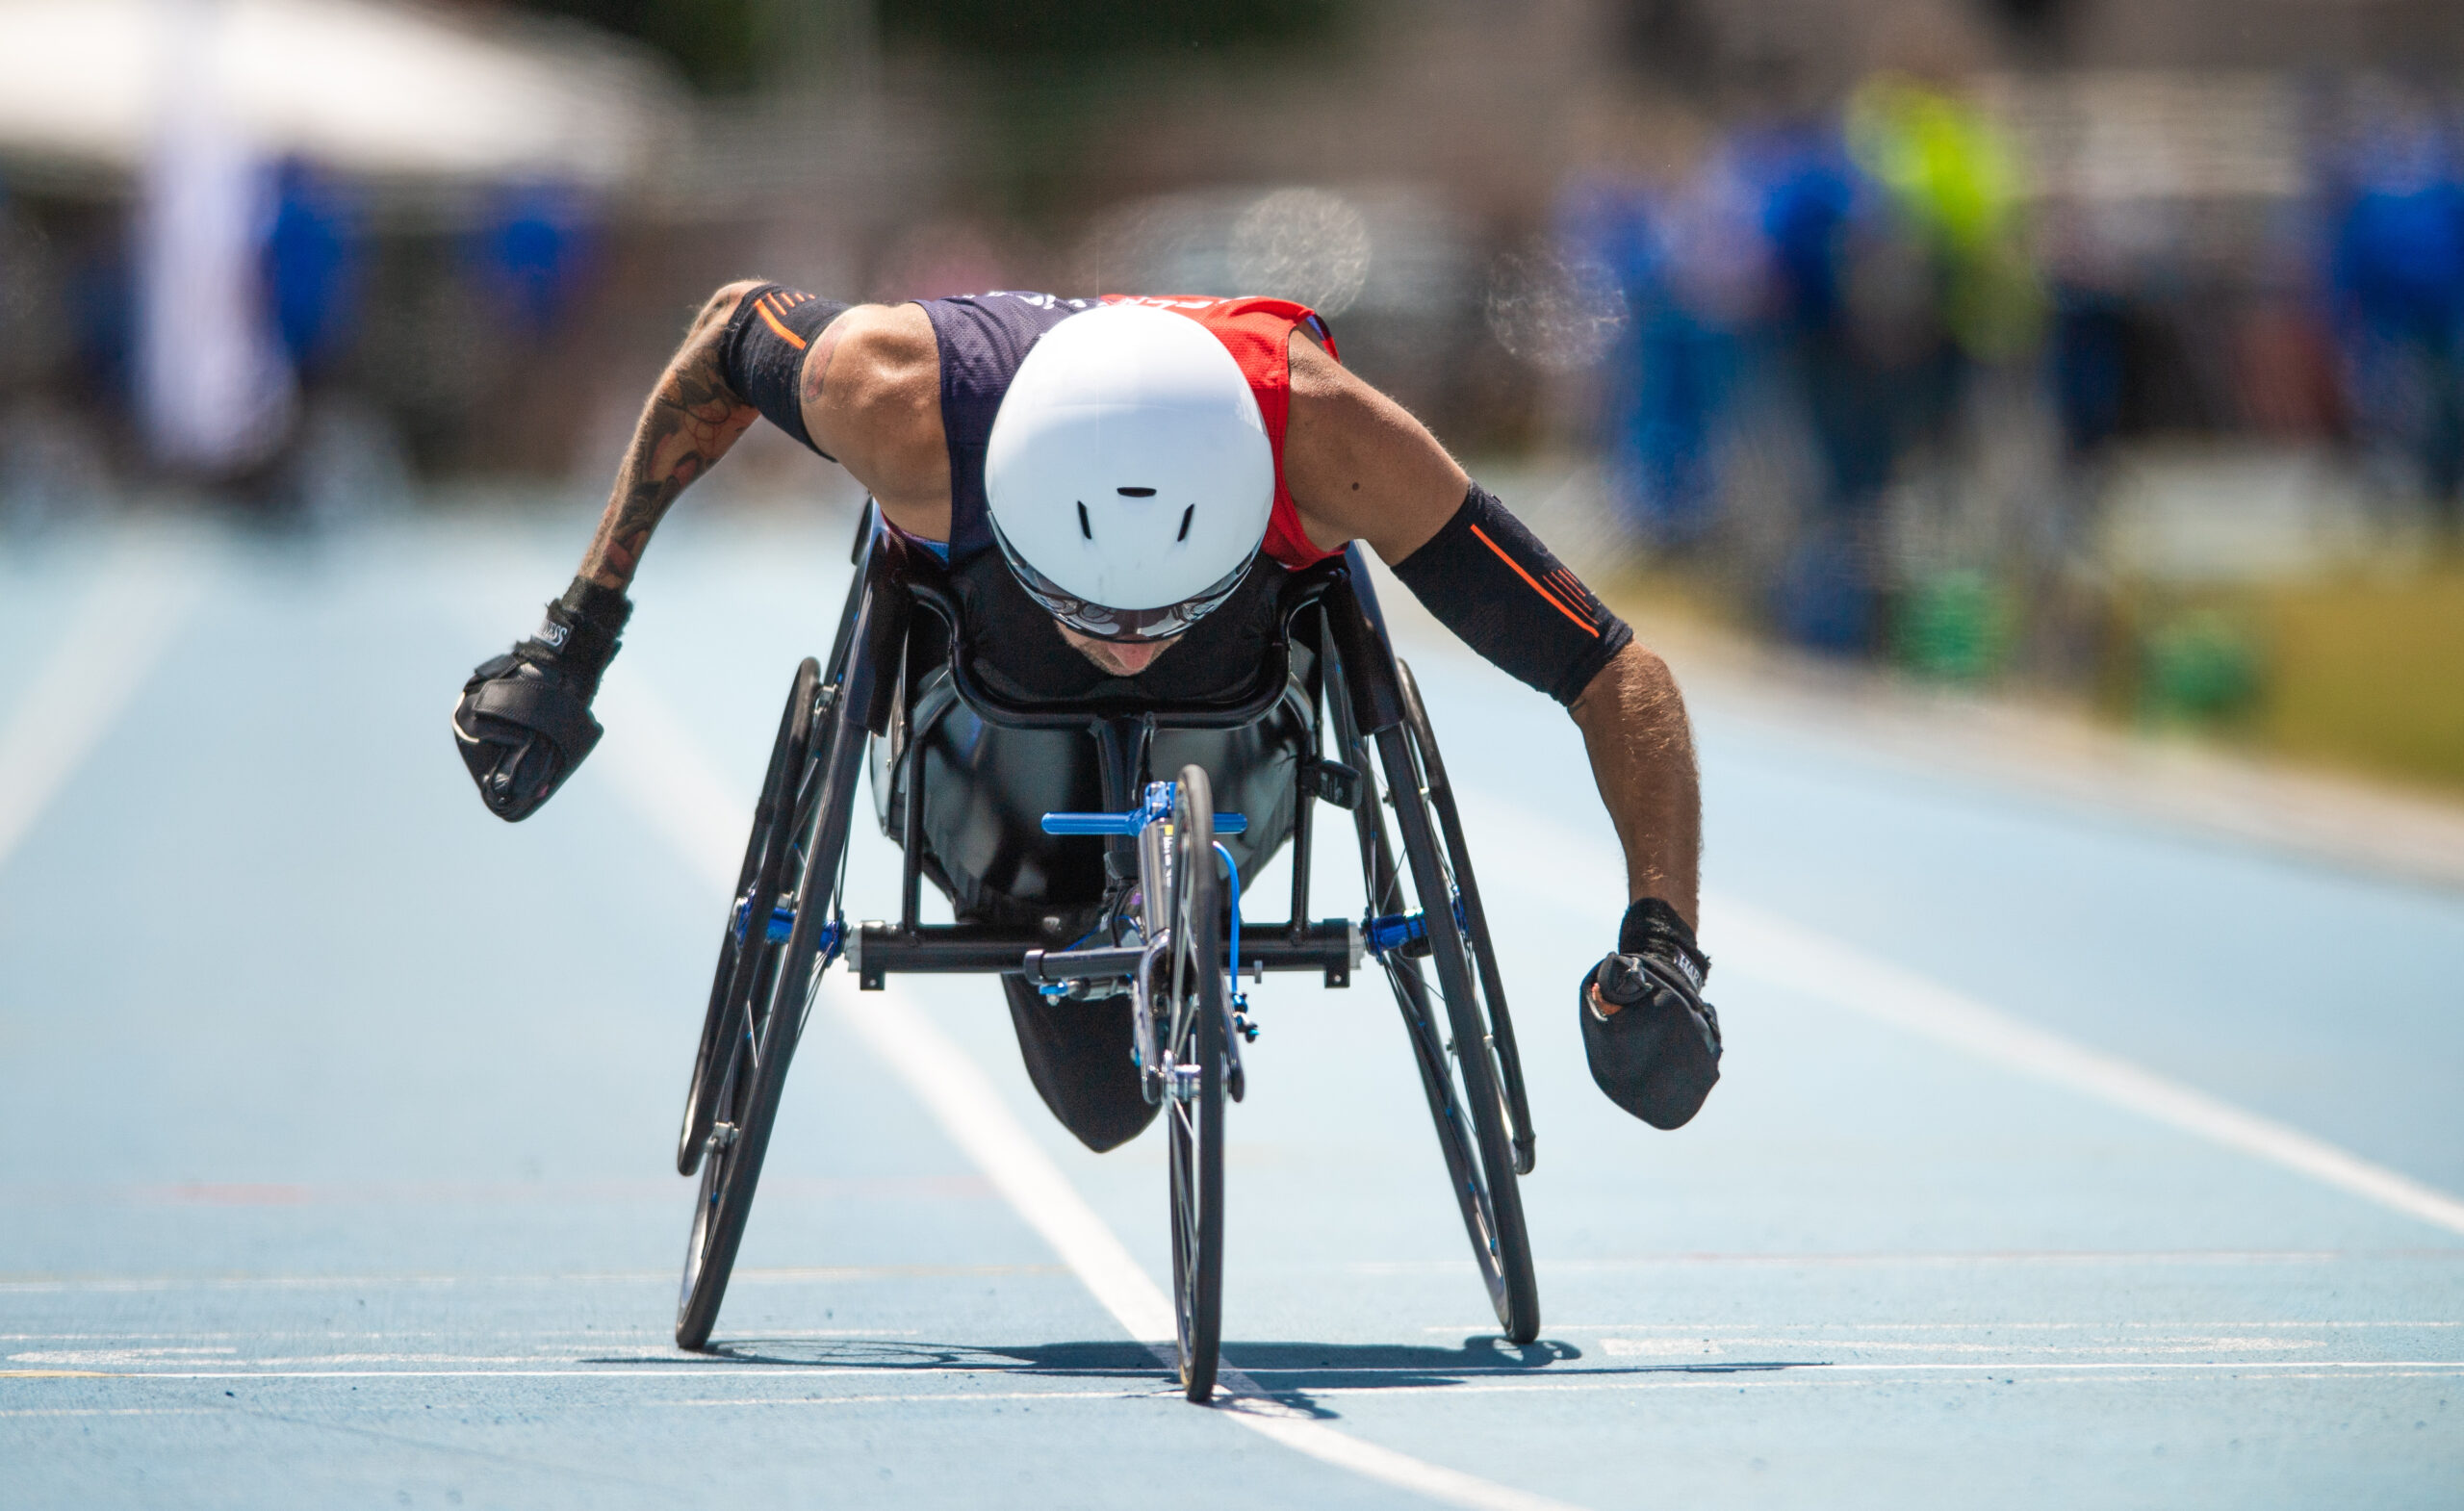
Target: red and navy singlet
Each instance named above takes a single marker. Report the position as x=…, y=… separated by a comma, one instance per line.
x=983, y=339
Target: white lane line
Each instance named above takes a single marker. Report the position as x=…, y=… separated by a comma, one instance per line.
x=809, y=1275
x=1772, y=950
x=1827, y=1327
x=663, y=771
x=660, y=769
x=111, y=1411
x=1439, y=1380
x=935, y=1397
x=680, y=1370
x=138, y=601
x=972, y=1112
x=1767, y=948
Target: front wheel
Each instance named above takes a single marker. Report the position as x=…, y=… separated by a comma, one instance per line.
x=1193, y=1032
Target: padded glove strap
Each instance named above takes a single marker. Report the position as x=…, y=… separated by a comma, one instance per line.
x=1652, y=927
x=544, y=705
x=578, y=636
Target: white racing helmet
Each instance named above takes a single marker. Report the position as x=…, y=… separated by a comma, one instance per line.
x=1129, y=472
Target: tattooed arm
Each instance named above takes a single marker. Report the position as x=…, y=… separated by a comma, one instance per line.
x=691, y=420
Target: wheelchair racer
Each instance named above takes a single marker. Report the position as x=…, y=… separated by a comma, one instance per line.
x=1116, y=486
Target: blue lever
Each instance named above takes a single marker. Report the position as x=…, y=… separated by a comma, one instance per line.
x=1127, y=823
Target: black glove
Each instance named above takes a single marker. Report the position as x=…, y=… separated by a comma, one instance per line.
x=522, y=723
x=1659, y=1056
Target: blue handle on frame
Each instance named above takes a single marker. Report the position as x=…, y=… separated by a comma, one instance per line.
x=1127, y=823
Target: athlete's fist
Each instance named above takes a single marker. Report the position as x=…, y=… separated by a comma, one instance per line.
x=523, y=721
x=1653, y=1044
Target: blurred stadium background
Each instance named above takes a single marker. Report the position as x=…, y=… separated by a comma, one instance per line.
x=2104, y=354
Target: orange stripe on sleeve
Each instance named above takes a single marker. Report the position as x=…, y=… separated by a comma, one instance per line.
x=1587, y=627
x=798, y=342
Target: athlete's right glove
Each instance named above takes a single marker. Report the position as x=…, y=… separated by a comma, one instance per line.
x=522, y=723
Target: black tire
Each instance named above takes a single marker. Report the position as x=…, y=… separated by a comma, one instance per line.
x=742, y=944
x=1467, y=888
x=1466, y=1091
x=784, y=979
x=1194, y=1028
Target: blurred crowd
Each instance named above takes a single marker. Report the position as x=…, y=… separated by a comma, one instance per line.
x=1876, y=372
x=1939, y=352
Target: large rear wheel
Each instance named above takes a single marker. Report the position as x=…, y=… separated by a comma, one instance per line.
x=744, y=944
x=751, y=1064
x=1465, y=1066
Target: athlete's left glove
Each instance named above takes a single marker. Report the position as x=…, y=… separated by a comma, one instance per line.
x=1658, y=1054
x=522, y=723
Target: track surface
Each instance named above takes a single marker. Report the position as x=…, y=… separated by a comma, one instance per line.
x=341, y=1115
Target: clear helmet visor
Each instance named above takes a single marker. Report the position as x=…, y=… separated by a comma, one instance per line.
x=1102, y=621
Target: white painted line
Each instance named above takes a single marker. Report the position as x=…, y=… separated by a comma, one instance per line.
x=1440, y=1380
x=663, y=771
x=971, y=1111
x=806, y=1276
x=113, y=1411
x=931, y=1398
x=676, y=1369
x=659, y=768
x=1816, y=1328
x=1767, y=948
x=1775, y=951
x=138, y=599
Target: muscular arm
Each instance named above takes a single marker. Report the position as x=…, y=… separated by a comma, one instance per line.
x=1360, y=467
x=691, y=420
x=1642, y=756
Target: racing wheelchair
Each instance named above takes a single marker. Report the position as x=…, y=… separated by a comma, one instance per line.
x=1140, y=896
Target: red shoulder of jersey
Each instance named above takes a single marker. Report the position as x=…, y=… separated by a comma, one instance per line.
x=1258, y=333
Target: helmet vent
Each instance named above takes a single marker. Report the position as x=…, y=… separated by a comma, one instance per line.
x=1134, y=493
x=1187, y=515
x=1084, y=528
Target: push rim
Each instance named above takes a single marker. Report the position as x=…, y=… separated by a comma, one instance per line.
x=765, y=853
x=1473, y=1131
x=786, y=978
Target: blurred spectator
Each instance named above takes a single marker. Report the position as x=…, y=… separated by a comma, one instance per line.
x=2397, y=280
x=313, y=264
x=1671, y=255
x=1953, y=176
x=534, y=254
x=1859, y=264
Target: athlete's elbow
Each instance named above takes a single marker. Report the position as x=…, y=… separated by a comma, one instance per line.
x=1636, y=681
x=721, y=306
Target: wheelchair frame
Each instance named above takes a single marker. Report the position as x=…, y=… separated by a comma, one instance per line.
x=1358, y=694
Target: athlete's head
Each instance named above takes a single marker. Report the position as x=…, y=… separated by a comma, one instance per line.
x=1129, y=475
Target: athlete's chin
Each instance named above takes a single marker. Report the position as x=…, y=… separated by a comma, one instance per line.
x=1120, y=657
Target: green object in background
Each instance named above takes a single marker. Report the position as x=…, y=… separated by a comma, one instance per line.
x=2199, y=667
x=2368, y=673
x=1953, y=625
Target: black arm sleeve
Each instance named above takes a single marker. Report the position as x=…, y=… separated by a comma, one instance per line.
x=1494, y=584
x=763, y=355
